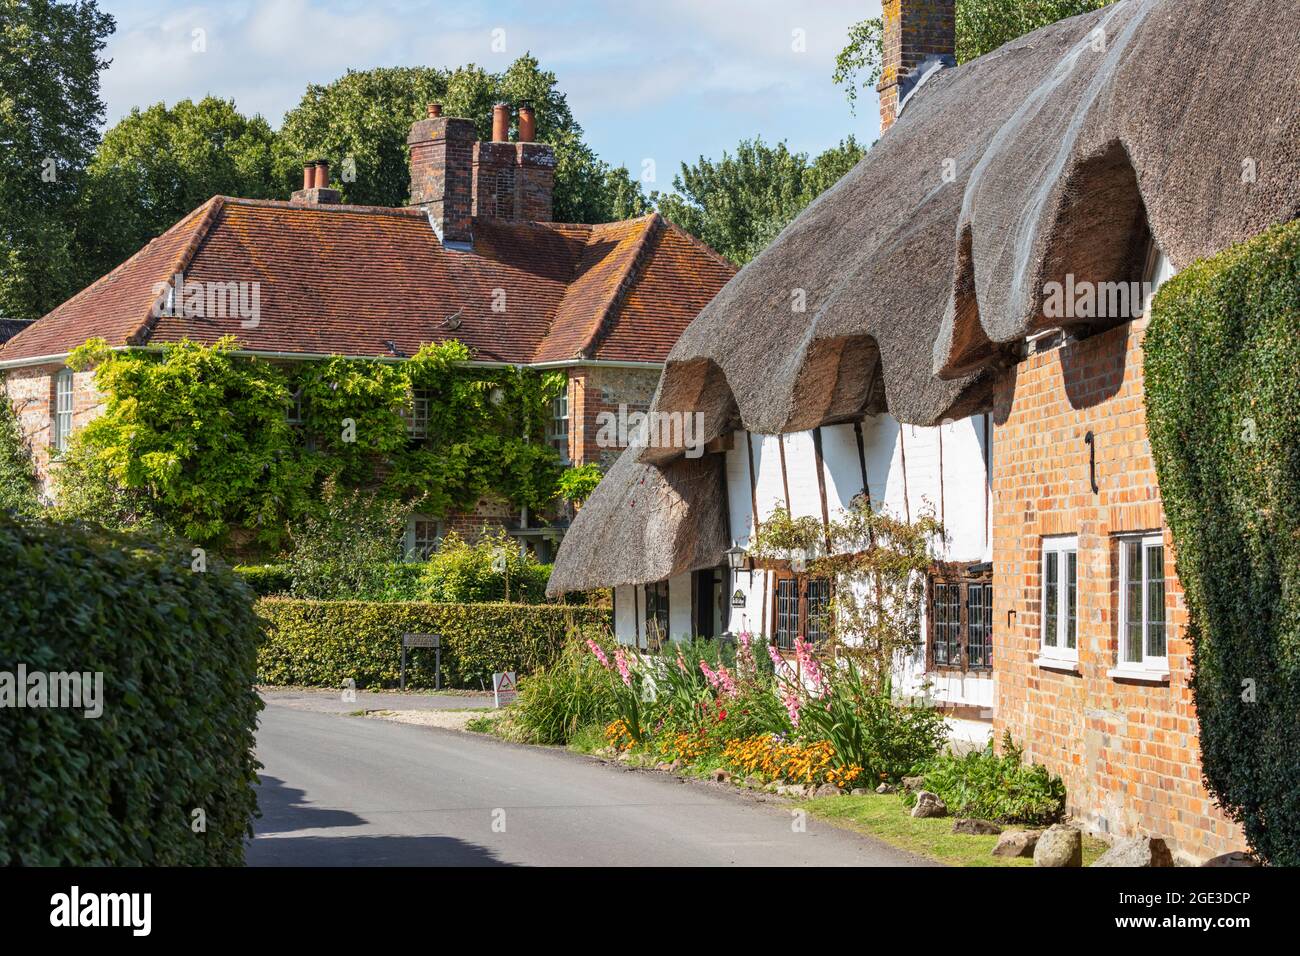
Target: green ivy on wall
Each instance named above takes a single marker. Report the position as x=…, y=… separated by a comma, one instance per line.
x=198, y=438
x=1222, y=367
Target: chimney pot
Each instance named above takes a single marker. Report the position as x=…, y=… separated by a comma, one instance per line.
x=308, y=175
x=435, y=110
x=322, y=174
x=527, y=124
x=501, y=123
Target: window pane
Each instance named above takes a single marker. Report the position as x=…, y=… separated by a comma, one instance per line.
x=819, y=599
x=1051, y=585
x=947, y=623
x=979, y=625
x=787, y=613
x=1156, y=601
x=1072, y=598
x=1132, y=602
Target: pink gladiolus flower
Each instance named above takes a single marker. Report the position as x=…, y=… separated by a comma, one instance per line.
x=773, y=653
x=791, y=700
x=623, y=670
x=709, y=674
x=745, y=668
x=681, y=661
x=600, y=655
x=803, y=653
x=726, y=684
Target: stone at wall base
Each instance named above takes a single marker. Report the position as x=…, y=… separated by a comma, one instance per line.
x=1017, y=843
x=1138, y=852
x=1059, y=845
x=1234, y=859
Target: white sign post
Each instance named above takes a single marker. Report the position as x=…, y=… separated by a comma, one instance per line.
x=503, y=687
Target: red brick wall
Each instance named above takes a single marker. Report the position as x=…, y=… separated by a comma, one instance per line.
x=31, y=390
x=1128, y=751
x=597, y=389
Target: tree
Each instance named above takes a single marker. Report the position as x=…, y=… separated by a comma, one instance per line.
x=982, y=27
x=50, y=110
x=158, y=164
x=361, y=120
x=740, y=203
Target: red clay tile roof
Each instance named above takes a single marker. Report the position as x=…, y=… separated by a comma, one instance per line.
x=349, y=279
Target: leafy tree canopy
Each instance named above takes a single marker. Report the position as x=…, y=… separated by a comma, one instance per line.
x=981, y=25
x=740, y=203
x=50, y=110
x=156, y=165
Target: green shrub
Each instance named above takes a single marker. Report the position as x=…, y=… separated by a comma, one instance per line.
x=323, y=643
x=460, y=572
x=18, y=484
x=266, y=579
x=997, y=787
x=559, y=700
x=1222, y=362
x=177, y=651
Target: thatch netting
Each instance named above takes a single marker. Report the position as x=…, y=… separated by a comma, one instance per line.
x=1048, y=156
x=904, y=286
x=645, y=524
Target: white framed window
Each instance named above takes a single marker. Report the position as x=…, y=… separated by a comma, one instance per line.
x=1143, y=629
x=416, y=414
x=559, y=434
x=62, y=410
x=294, y=413
x=423, y=535
x=1059, y=600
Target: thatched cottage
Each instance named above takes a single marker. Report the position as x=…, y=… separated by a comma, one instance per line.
x=970, y=300
x=474, y=257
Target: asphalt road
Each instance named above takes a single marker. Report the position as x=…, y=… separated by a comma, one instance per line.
x=353, y=791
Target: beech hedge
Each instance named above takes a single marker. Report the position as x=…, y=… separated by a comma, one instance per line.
x=324, y=643
x=177, y=651
x=1222, y=368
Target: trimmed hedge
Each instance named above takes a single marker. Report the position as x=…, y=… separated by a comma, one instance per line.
x=445, y=582
x=323, y=643
x=177, y=651
x=266, y=579
x=1222, y=374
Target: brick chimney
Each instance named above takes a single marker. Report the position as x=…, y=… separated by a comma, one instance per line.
x=513, y=181
x=315, y=185
x=919, y=34
x=442, y=171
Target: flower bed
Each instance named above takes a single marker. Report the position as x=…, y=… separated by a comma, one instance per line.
x=702, y=706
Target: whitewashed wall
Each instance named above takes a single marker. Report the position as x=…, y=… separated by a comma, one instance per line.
x=909, y=469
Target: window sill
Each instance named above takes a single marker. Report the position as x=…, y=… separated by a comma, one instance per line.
x=1058, y=664
x=1138, y=674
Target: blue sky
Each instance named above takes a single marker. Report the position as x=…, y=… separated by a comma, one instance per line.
x=665, y=81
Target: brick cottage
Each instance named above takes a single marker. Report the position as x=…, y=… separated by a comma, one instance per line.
x=473, y=257
x=977, y=291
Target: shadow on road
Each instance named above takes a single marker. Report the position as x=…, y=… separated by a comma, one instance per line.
x=368, y=851
x=283, y=810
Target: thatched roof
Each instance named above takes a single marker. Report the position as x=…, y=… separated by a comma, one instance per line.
x=644, y=524
x=1053, y=149
x=924, y=267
